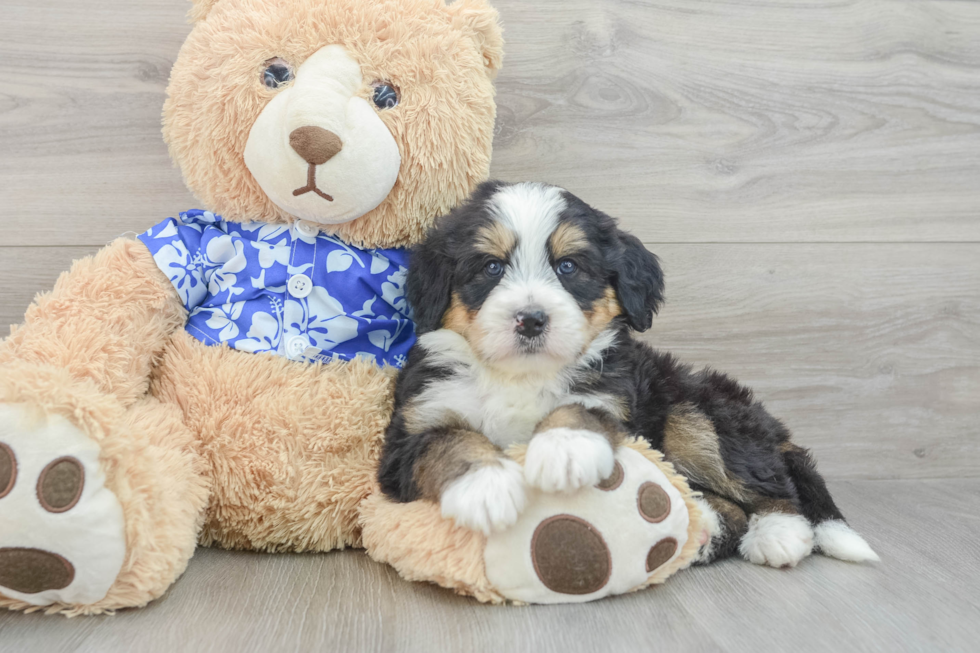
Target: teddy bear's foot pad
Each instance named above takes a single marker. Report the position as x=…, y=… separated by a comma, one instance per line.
x=31, y=571
x=63, y=537
x=601, y=540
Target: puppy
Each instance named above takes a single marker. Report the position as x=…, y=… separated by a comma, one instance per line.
x=525, y=299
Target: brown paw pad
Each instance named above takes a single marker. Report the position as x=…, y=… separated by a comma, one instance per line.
x=32, y=570
x=59, y=487
x=614, y=481
x=570, y=556
x=8, y=470
x=660, y=553
x=652, y=502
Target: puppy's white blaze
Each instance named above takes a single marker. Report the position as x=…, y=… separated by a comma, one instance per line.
x=711, y=529
x=836, y=539
x=532, y=211
x=486, y=499
x=777, y=540
x=564, y=460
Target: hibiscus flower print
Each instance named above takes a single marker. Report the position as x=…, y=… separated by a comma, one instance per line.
x=185, y=273
x=223, y=320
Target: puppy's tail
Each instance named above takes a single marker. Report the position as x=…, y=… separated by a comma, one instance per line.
x=832, y=536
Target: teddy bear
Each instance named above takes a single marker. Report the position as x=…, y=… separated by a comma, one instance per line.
x=225, y=378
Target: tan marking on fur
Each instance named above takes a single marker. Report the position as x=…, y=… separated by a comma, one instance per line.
x=462, y=320
x=566, y=240
x=764, y=506
x=691, y=443
x=451, y=456
x=732, y=517
x=575, y=416
x=458, y=317
x=604, y=310
x=496, y=240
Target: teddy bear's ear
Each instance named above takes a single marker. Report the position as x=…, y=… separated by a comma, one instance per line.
x=200, y=9
x=481, y=21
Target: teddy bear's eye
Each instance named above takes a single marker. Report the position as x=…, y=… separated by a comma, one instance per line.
x=276, y=73
x=385, y=95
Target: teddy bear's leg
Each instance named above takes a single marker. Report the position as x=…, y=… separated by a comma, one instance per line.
x=73, y=384
x=97, y=525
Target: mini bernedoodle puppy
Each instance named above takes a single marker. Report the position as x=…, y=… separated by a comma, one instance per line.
x=525, y=298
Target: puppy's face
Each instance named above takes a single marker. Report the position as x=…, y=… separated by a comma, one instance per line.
x=530, y=275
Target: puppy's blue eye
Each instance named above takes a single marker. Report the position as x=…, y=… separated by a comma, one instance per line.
x=566, y=266
x=385, y=95
x=277, y=72
x=494, y=268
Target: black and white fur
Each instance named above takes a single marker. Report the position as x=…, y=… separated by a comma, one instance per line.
x=525, y=298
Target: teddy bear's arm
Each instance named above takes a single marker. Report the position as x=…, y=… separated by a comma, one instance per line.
x=98, y=331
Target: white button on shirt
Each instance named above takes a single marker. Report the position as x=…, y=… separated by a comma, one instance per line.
x=300, y=286
x=297, y=346
x=307, y=229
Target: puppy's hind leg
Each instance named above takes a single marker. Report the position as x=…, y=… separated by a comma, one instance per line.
x=832, y=536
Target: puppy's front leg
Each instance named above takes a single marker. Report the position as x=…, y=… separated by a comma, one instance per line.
x=571, y=448
x=475, y=484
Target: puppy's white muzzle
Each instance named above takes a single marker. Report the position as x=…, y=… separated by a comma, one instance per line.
x=531, y=324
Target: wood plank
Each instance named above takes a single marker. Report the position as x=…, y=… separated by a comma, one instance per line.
x=693, y=121
x=869, y=353
x=83, y=160
x=777, y=121
x=921, y=597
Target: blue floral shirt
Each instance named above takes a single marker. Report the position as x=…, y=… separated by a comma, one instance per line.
x=286, y=290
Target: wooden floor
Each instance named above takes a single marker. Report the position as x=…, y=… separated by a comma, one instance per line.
x=809, y=172
x=922, y=597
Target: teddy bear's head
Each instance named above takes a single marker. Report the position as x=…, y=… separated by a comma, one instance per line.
x=369, y=117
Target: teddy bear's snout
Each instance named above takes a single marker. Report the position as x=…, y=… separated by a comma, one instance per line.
x=315, y=144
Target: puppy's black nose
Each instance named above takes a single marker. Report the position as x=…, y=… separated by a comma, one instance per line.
x=531, y=323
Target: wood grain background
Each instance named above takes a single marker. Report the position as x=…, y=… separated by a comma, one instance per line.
x=809, y=173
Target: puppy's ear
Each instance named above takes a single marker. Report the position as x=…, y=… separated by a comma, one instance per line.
x=639, y=281
x=430, y=278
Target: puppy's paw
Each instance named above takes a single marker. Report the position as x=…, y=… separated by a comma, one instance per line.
x=777, y=540
x=488, y=498
x=563, y=459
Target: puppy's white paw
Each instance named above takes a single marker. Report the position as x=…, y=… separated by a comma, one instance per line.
x=836, y=539
x=711, y=531
x=563, y=460
x=777, y=540
x=488, y=498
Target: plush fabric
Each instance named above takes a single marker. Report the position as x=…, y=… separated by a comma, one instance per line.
x=441, y=58
x=416, y=540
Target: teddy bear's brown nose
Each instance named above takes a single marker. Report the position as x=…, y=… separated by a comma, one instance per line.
x=315, y=144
